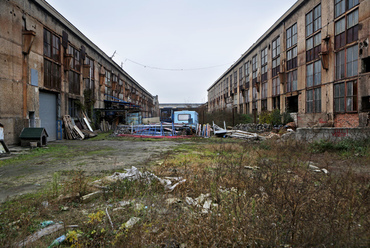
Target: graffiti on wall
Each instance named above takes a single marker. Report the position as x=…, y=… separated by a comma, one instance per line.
x=340, y=133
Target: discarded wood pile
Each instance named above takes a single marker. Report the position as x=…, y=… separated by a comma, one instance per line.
x=79, y=130
x=105, y=126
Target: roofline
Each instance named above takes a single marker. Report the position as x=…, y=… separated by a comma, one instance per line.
x=53, y=12
x=294, y=7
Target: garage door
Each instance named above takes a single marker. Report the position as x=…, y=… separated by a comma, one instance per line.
x=48, y=114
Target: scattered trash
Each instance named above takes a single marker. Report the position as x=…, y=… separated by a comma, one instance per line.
x=57, y=241
x=46, y=223
x=171, y=201
x=43, y=232
x=313, y=167
x=131, y=222
x=218, y=131
x=91, y=196
x=251, y=167
x=45, y=204
x=135, y=174
x=110, y=220
x=64, y=208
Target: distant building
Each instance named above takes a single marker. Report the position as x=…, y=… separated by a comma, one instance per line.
x=313, y=62
x=48, y=69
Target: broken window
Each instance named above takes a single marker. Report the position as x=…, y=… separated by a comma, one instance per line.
x=365, y=65
x=365, y=103
x=292, y=104
x=345, y=97
x=246, y=69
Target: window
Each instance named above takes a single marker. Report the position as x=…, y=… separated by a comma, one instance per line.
x=240, y=76
x=313, y=20
x=264, y=96
x=254, y=69
x=345, y=97
x=75, y=61
x=74, y=82
x=291, y=36
x=313, y=47
x=184, y=117
x=346, y=30
x=52, y=67
x=313, y=100
x=73, y=107
x=352, y=61
x=264, y=64
x=246, y=68
x=275, y=86
x=291, y=42
x=264, y=91
x=292, y=58
x=342, y=5
x=89, y=81
x=291, y=81
x=276, y=57
x=346, y=62
x=313, y=74
x=235, y=80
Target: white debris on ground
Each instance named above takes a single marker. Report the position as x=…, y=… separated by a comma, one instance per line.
x=134, y=174
x=312, y=166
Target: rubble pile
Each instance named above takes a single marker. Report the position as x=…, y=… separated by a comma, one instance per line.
x=253, y=127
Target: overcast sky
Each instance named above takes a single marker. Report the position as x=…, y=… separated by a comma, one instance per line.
x=175, y=49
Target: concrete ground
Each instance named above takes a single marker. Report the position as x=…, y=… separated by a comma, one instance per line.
x=95, y=158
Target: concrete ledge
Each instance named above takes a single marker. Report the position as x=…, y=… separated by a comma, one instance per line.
x=331, y=134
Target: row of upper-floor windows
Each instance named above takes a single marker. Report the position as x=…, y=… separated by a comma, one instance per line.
x=347, y=29
x=52, y=68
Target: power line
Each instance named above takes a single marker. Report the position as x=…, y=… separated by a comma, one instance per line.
x=174, y=69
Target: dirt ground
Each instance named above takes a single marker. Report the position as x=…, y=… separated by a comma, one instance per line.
x=95, y=158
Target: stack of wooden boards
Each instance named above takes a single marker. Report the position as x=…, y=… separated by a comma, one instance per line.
x=81, y=131
x=71, y=130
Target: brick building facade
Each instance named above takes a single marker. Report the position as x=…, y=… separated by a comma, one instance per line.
x=313, y=62
x=49, y=69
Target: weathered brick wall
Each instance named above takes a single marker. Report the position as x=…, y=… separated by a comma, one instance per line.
x=346, y=120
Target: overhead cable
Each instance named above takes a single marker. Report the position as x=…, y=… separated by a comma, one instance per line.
x=174, y=69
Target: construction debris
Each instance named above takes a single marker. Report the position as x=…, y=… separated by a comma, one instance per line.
x=71, y=130
x=41, y=233
x=134, y=174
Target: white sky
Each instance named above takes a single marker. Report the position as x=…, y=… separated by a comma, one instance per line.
x=174, y=34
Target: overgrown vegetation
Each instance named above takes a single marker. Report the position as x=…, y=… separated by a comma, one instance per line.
x=231, y=118
x=260, y=195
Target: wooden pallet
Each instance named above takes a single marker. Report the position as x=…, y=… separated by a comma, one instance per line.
x=71, y=130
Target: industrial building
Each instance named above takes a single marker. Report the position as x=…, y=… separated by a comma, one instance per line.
x=50, y=69
x=313, y=62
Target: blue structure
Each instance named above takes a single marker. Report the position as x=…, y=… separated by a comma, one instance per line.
x=186, y=117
